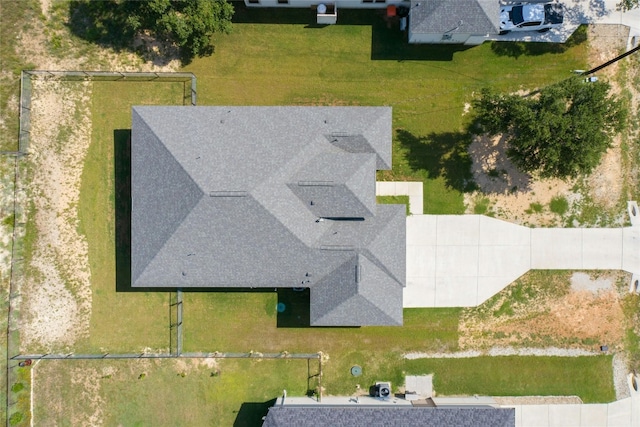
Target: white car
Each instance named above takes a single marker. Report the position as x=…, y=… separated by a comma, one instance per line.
x=539, y=17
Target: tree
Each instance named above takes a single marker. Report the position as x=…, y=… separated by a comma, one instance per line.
x=626, y=5
x=187, y=23
x=562, y=132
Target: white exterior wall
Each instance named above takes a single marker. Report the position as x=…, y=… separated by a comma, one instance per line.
x=341, y=4
x=437, y=38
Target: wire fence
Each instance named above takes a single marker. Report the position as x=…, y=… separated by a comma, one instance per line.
x=26, y=89
x=190, y=355
x=27, y=79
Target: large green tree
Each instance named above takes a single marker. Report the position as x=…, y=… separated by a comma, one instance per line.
x=560, y=132
x=187, y=23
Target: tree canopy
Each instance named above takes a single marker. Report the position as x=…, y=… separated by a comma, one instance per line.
x=626, y=5
x=187, y=23
x=561, y=132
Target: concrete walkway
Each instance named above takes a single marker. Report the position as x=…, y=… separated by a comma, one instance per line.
x=621, y=413
x=401, y=188
x=462, y=260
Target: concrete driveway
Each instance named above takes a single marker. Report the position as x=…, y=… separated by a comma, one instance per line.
x=583, y=12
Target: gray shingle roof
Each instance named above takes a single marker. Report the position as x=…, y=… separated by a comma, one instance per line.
x=455, y=16
x=231, y=197
x=281, y=416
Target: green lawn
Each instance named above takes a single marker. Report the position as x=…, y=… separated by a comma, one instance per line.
x=164, y=392
x=131, y=321
x=589, y=377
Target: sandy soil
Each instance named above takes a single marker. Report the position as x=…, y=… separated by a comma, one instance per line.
x=588, y=315
x=511, y=192
x=56, y=306
x=57, y=295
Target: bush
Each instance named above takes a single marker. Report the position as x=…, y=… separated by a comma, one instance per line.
x=15, y=418
x=17, y=387
x=559, y=205
x=481, y=207
x=535, y=207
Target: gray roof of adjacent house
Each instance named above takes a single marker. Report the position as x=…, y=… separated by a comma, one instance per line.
x=269, y=197
x=455, y=16
x=281, y=416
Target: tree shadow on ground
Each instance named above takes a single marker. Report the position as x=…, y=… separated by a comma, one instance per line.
x=251, y=413
x=517, y=49
x=443, y=155
x=492, y=170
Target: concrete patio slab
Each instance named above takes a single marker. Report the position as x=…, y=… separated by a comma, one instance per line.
x=602, y=248
x=456, y=291
x=498, y=232
x=564, y=415
x=620, y=413
x=593, y=415
x=631, y=249
x=534, y=416
x=421, y=230
x=556, y=248
x=460, y=261
x=458, y=230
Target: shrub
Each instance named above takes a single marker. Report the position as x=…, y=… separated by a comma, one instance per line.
x=559, y=205
x=15, y=418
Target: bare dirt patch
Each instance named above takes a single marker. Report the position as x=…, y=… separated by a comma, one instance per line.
x=582, y=315
x=57, y=287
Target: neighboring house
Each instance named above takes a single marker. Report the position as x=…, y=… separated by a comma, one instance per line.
x=269, y=197
x=365, y=411
x=468, y=22
x=342, y=4
x=453, y=21
x=326, y=11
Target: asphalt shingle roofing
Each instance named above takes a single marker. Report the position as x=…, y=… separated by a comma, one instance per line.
x=280, y=416
x=455, y=16
x=269, y=197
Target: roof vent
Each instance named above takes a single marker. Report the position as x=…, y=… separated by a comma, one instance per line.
x=316, y=183
x=228, y=193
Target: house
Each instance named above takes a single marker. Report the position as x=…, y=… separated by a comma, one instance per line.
x=467, y=22
x=269, y=197
x=366, y=411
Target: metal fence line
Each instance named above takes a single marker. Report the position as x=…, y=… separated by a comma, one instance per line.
x=27, y=76
x=179, y=325
x=191, y=355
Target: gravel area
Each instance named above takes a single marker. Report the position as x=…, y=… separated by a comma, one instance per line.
x=620, y=374
x=506, y=351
